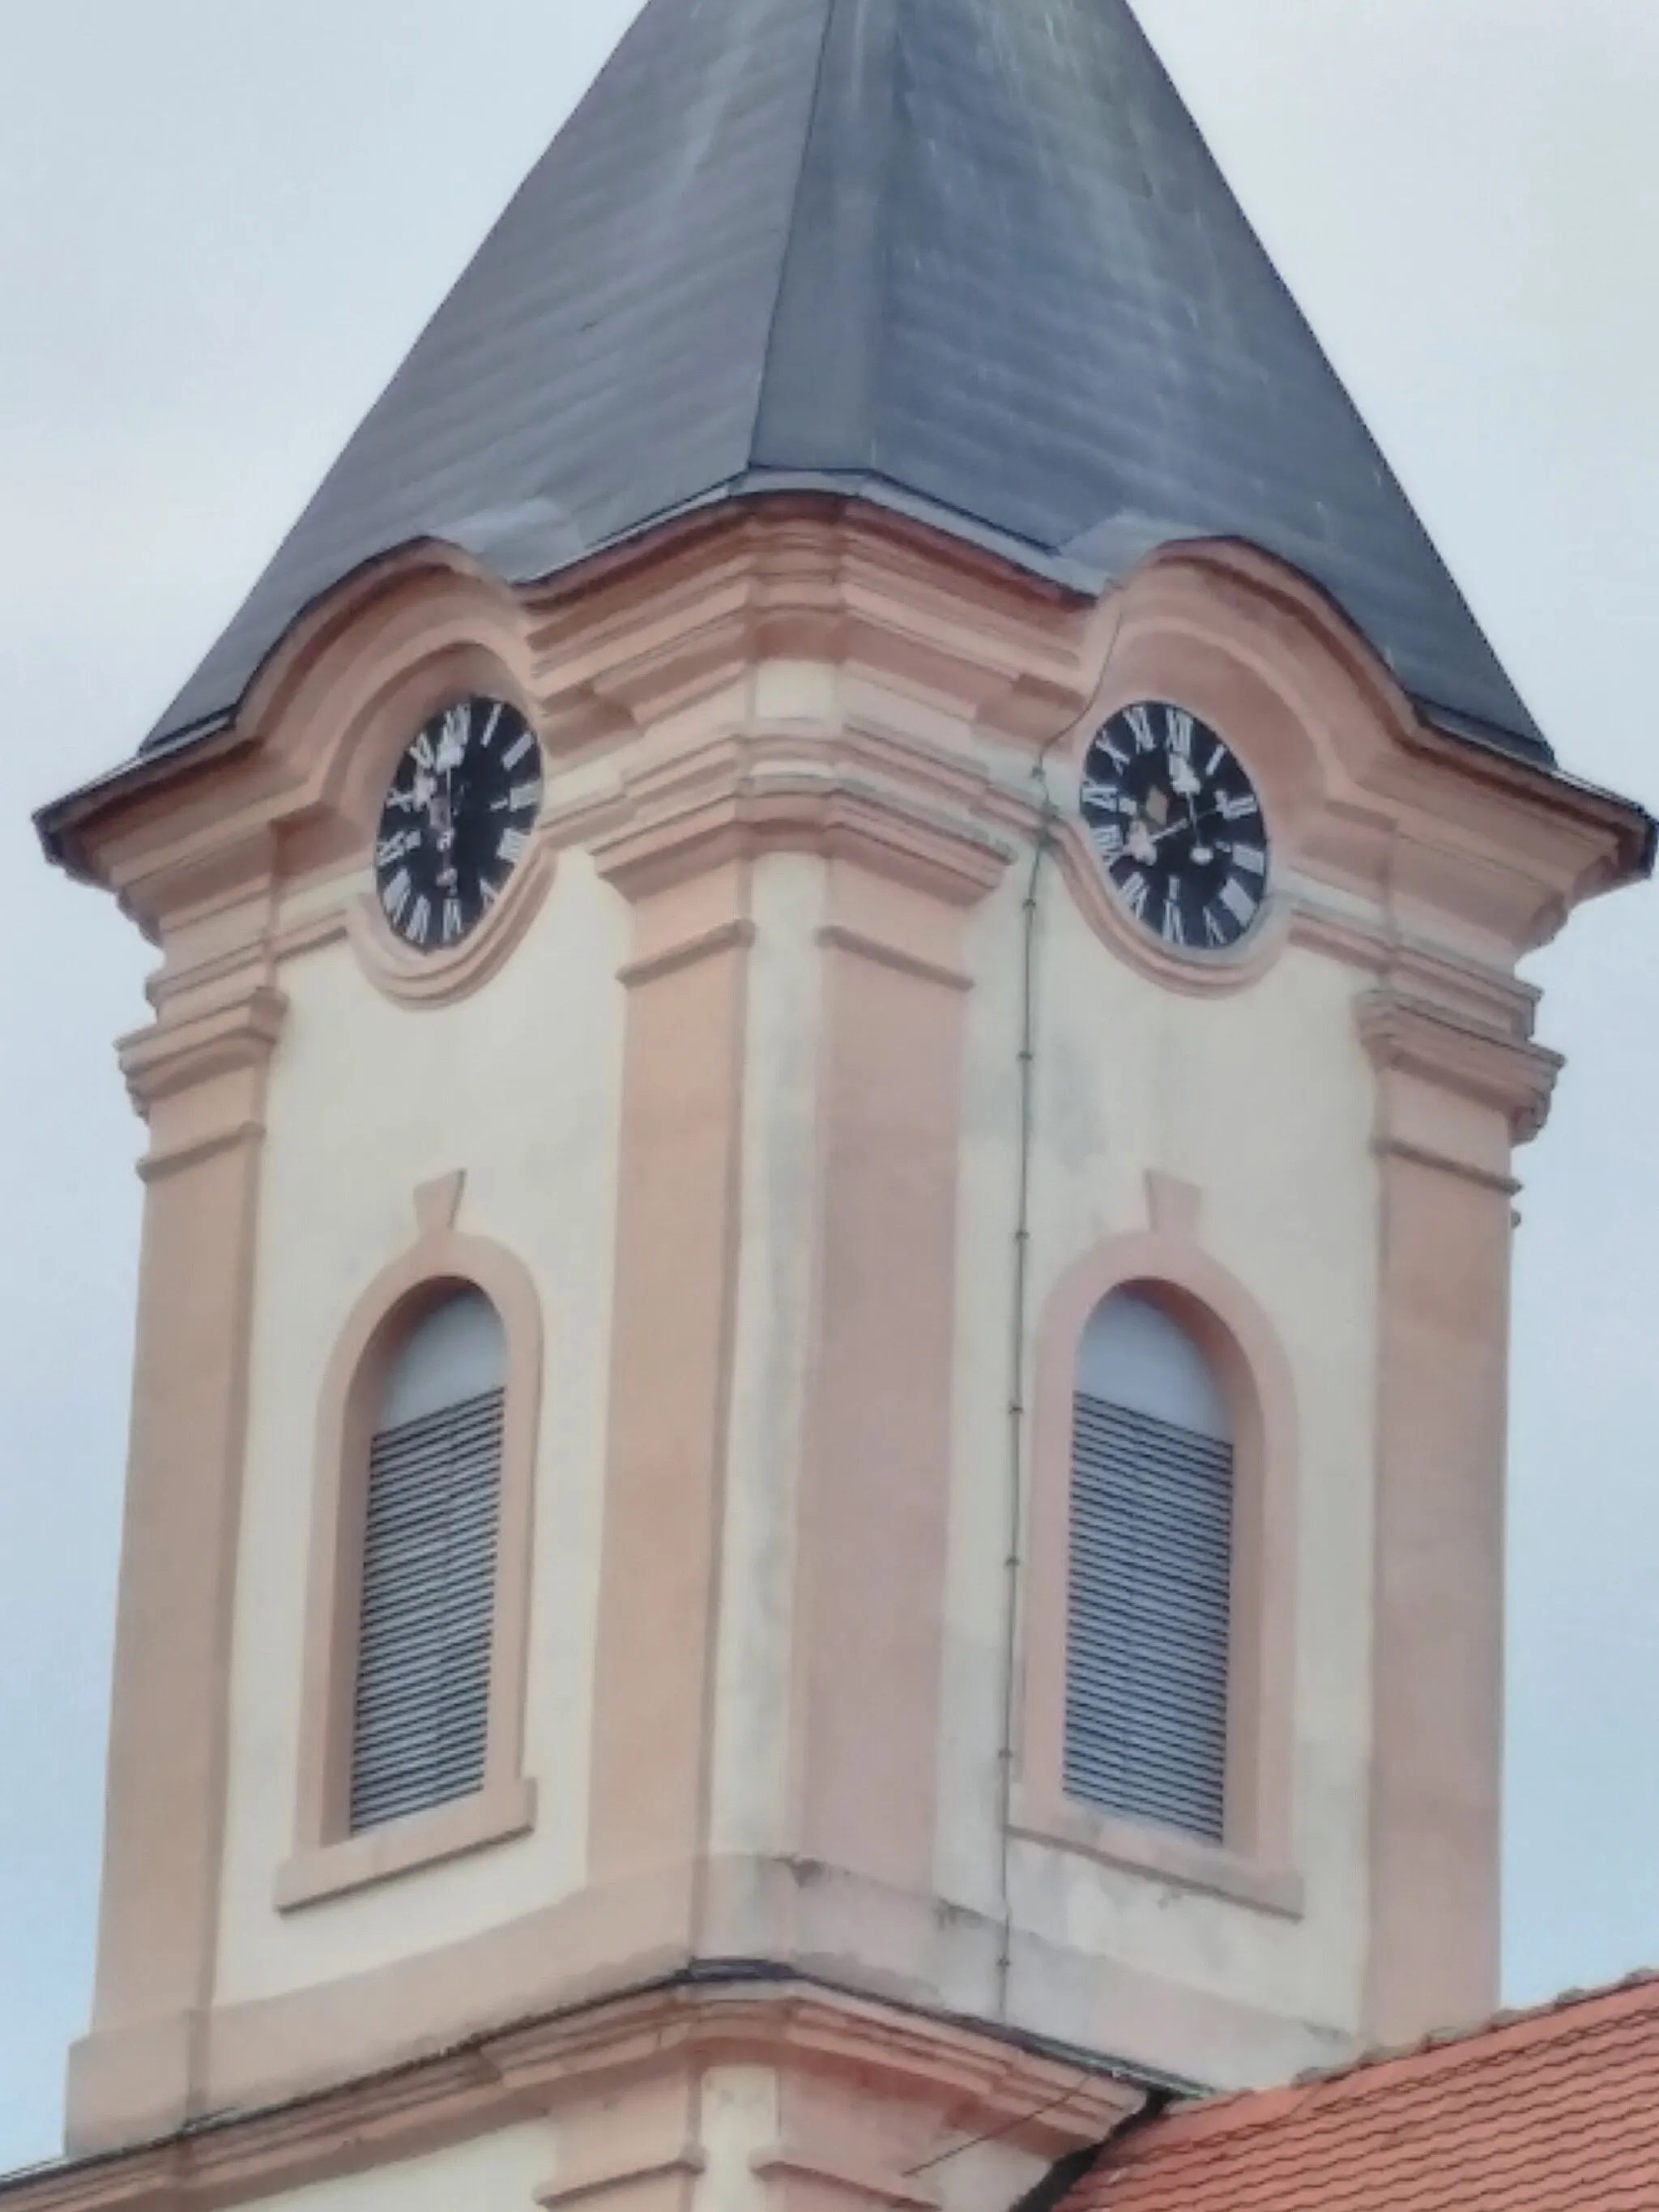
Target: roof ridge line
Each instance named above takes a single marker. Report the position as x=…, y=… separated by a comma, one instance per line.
x=786, y=257
x=1278, y=2099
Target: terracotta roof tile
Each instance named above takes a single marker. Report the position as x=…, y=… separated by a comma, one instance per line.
x=1552, y=2111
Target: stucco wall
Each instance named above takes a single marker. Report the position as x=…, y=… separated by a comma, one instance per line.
x=518, y=1084
x=1263, y=1101
x=497, y=2172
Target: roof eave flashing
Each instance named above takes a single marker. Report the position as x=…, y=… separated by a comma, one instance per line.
x=1632, y=831
x=64, y=826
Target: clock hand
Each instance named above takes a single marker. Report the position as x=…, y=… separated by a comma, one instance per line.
x=1210, y=814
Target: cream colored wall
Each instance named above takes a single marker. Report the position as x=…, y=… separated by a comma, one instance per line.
x=494, y=2174
x=738, y=2123
x=750, y=1784
x=518, y=1084
x=1264, y=1101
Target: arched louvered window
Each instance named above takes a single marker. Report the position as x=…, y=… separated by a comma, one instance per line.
x=426, y=1621
x=1149, y=1620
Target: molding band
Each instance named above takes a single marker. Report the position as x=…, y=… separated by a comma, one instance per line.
x=863, y=2186
x=708, y=945
x=690, y=2164
x=1505, y=1072
x=1423, y=1155
x=841, y=938
x=157, y=1166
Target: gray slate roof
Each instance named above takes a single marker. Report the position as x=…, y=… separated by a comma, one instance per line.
x=967, y=258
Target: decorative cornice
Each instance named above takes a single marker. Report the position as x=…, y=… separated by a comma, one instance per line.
x=946, y=676
x=186, y=1052
x=977, y=2080
x=1446, y=1049
x=954, y=2064
x=687, y=828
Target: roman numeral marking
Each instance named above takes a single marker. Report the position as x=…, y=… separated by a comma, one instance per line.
x=1108, y=838
x=521, y=796
x=1238, y=904
x=492, y=726
x=396, y=893
x=525, y=743
x=1174, y=929
x=391, y=849
x=513, y=847
x=424, y=755
x=1239, y=808
x=420, y=919
x=1179, y=724
x=458, y=728
x=1097, y=793
x=452, y=923
x=1215, y=761
x=1214, y=933
x=1135, y=889
x=1140, y=722
x=1251, y=857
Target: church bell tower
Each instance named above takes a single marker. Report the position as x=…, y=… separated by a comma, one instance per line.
x=817, y=1450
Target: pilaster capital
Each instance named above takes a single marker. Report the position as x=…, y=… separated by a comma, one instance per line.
x=171, y=1056
x=1451, y=1051
x=198, y=1078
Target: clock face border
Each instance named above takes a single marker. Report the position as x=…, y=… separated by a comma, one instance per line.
x=456, y=823
x=404, y=974
x=1177, y=834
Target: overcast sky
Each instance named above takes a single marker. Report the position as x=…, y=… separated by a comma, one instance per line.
x=221, y=227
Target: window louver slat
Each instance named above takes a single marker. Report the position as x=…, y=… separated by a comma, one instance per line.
x=1149, y=1623
x=421, y=1709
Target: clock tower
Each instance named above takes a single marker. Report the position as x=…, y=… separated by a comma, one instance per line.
x=817, y=1451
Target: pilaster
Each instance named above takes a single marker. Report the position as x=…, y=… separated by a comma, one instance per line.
x=1459, y=1084
x=675, y=1266
x=876, y=1473
x=198, y=1077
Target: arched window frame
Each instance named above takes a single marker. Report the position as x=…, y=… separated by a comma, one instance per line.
x=327, y=1859
x=1253, y=1863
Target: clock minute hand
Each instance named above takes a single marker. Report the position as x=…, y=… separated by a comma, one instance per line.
x=1196, y=822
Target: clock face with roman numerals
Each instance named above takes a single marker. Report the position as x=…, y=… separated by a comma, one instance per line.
x=1177, y=826
x=457, y=821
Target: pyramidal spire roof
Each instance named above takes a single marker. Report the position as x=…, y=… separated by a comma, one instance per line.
x=968, y=258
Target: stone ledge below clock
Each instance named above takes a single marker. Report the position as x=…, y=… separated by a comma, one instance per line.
x=494, y=1815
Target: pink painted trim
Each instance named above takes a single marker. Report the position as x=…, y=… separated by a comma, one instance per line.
x=1181, y=1861
x=1254, y=1863
x=440, y=1259
x=489, y=1816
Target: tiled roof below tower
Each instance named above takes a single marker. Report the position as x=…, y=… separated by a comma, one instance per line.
x=1554, y=2110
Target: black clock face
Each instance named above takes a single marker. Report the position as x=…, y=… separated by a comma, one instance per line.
x=1178, y=828
x=457, y=821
